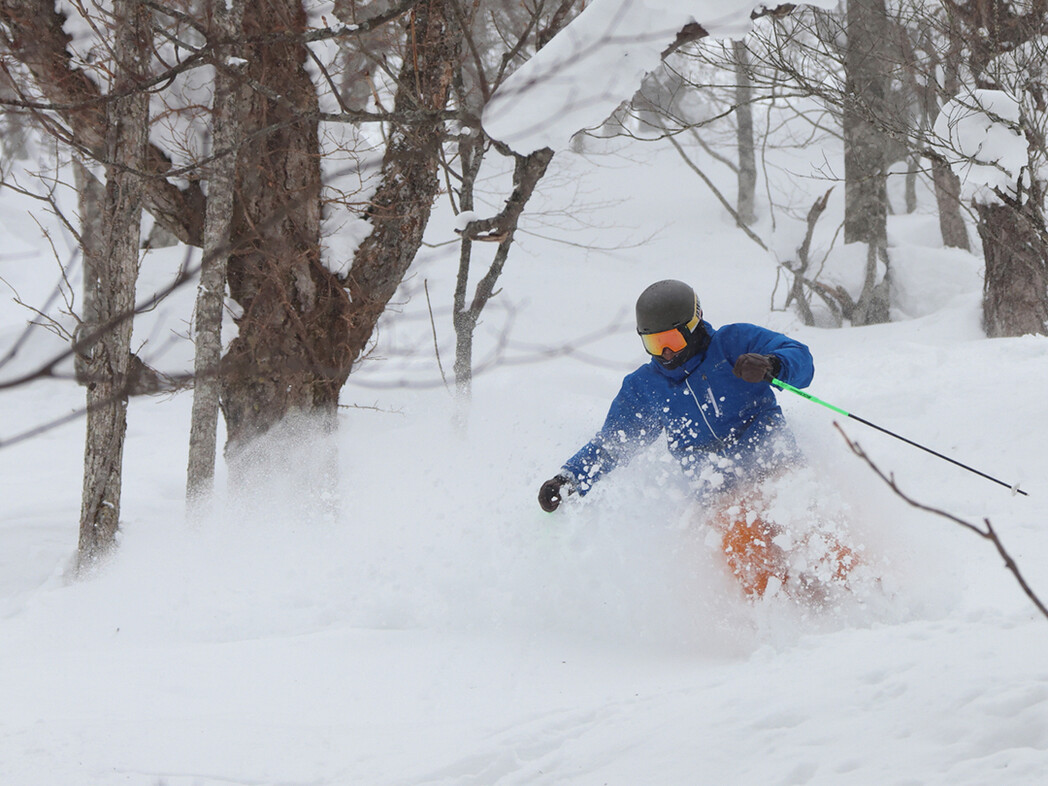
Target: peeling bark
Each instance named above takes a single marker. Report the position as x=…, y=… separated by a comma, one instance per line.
x=402, y=204
x=292, y=353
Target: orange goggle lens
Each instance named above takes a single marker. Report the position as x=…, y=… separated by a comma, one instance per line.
x=655, y=343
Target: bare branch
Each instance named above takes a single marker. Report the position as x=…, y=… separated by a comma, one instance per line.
x=989, y=533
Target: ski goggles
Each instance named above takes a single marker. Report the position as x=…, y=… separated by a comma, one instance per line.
x=675, y=339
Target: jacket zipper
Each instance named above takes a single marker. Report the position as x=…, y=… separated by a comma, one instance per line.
x=687, y=383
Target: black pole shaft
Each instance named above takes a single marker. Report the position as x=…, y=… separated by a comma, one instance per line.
x=937, y=454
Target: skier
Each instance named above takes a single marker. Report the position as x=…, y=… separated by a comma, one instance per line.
x=708, y=390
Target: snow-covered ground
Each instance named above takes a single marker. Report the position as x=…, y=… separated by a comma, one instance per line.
x=441, y=629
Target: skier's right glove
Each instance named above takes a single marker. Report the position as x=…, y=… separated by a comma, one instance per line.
x=550, y=494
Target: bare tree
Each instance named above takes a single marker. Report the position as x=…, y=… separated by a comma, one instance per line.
x=227, y=19
x=401, y=206
x=928, y=48
x=494, y=54
x=291, y=350
x=987, y=531
x=71, y=106
x=108, y=360
x=1012, y=228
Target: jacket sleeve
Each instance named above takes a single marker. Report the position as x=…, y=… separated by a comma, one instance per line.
x=631, y=425
x=798, y=368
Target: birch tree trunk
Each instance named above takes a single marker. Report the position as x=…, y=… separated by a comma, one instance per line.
x=227, y=17
x=527, y=172
x=108, y=359
x=471, y=154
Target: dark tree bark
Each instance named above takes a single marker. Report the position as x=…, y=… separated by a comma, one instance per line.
x=401, y=206
x=292, y=353
x=109, y=359
x=1014, y=299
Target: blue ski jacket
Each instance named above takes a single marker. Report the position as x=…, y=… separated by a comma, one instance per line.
x=720, y=428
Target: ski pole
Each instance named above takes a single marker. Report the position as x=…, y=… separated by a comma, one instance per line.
x=786, y=386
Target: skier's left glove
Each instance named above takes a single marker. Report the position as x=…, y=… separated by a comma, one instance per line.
x=550, y=495
x=757, y=368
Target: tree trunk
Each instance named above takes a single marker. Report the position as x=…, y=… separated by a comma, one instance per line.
x=948, y=197
x=947, y=185
x=401, y=206
x=865, y=199
x=527, y=172
x=865, y=176
x=227, y=17
x=471, y=154
x=745, y=204
x=108, y=362
x=1015, y=250
x=913, y=162
x=873, y=305
x=292, y=352
x=1015, y=289
x=91, y=200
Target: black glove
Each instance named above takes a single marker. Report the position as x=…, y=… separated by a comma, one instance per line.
x=550, y=494
x=757, y=368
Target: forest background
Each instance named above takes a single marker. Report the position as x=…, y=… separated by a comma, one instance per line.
x=378, y=238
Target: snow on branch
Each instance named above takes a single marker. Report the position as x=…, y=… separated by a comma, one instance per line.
x=599, y=60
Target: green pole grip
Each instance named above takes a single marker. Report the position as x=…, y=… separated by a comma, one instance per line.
x=786, y=386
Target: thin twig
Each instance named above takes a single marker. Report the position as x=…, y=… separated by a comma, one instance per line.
x=433, y=325
x=716, y=192
x=989, y=533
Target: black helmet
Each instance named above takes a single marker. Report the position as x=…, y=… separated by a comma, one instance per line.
x=666, y=305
